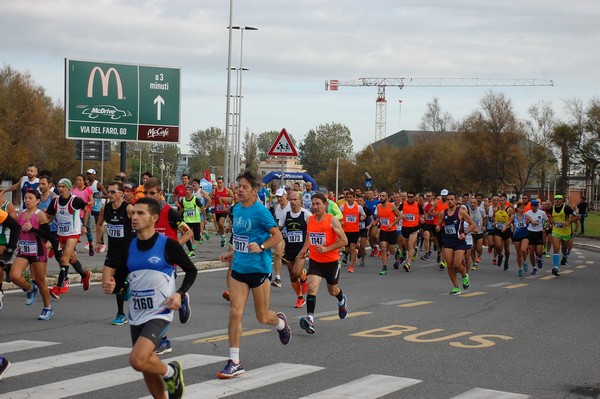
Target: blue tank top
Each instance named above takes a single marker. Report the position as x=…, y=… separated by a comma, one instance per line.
x=520, y=226
x=452, y=229
x=43, y=205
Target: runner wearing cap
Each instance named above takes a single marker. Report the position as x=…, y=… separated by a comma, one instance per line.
x=439, y=206
x=561, y=219
x=536, y=219
x=281, y=209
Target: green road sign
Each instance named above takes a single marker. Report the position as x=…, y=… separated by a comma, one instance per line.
x=121, y=102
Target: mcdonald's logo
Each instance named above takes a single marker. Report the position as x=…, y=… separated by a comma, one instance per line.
x=105, y=78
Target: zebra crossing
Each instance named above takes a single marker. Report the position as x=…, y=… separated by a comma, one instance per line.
x=368, y=387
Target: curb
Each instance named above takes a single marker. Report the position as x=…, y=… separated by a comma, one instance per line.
x=97, y=277
x=587, y=247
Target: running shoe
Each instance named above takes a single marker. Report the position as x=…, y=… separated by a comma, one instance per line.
x=286, y=334
x=525, y=267
x=494, y=261
x=102, y=248
x=414, y=258
x=276, y=282
x=191, y=254
x=55, y=292
x=46, y=314
x=520, y=273
x=4, y=365
x=555, y=271
x=406, y=267
x=466, y=282
x=185, y=310
x=164, y=347
x=304, y=286
x=207, y=236
x=91, y=249
x=85, y=280
x=193, y=247
x=489, y=250
x=397, y=264
x=425, y=257
x=345, y=260
x=87, y=245
x=479, y=259
x=226, y=295
x=474, y=267
x=540, y=263
x=439, y=257
x=307, y=325
x=175, y=385
x=534, y=271
x=231, y=370
x=500, y=259
x=300, y=302
x=443, y=265
x=32, y=294
x=563, y=261
x=200, y=241
x=362, y=263
x=547, y=254
x=222, y=241
x=50, y=253
x=65, y=287
x=373, y=252
x=119, y=320
x=383, y=271
x=343, y=307
x=350, y=269
x=506, y=265
x=455, y=291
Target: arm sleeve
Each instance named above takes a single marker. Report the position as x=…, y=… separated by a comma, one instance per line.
x=176, y=255
x=15, y=231
x=43, y=231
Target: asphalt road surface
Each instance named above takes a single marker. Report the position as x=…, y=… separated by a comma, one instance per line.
x=405, y=337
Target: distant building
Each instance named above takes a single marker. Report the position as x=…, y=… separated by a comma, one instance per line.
x=273, y=164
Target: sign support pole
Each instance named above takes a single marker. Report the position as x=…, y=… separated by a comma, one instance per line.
x=282, y=171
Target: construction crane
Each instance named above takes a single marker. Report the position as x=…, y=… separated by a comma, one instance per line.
x=382, y=83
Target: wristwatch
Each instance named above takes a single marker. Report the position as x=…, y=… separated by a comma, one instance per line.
x=262, y=247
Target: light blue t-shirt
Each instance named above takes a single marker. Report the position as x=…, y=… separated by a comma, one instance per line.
x=251, y=224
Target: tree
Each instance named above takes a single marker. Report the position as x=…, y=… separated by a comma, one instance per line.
x=250, y=151
x=434, y=120
x=565, y=137
x=265, y=140
x=208, y=149
x=323, y=145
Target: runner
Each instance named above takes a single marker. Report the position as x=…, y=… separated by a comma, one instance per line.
x=117, y=215
x=254, y=234
x=455, y=241
x=519, y=238
x=364, y=226
x=480, y=218
x=32, y=252
x=281, y=209
x=371, y=203
x=221, y=197
x=502, y=233
x=412, y=214
x=439, y=206
x=535, y=237
x=25, y=183
x=492, y=208
x=6, y=208
x=179, y=191
x=193, y=213
x=561, y=219
x=98, y=191
x=326, y=237
x=307, y=196
x=81, y=190
x=205, y=199
x=428, y=225
x=46, y=198
x=353, y=216
x=294, y=222
x=65, y=210
x=387, y=215
x=148, y=262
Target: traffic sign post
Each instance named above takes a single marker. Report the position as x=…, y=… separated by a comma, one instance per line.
x=121, y=102
x=283, y=147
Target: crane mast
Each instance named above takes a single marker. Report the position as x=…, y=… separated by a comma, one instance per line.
x=382, y=83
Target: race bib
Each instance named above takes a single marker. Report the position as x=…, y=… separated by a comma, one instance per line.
x=429, y=217
x=409, y=217
x=190, y=213
x=317, y=238
x=499, y=226
x=384, y=221
x=64, y=227
x=294, y=237
x=520, y=224
x=240, y=243
x=450, y=229
x=560, y=225
x=116, y=230
x=28, y=247
x=350, y=218
x=143, y=300
x=220, y=207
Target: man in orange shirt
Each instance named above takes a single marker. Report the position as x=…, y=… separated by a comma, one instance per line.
x=388, y=216
x=412, y=214
x=325, y=238
x=353, y=214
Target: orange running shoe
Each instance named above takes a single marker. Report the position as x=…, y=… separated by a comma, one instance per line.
x=300, y=302
x=226, y=295
x=351, y=269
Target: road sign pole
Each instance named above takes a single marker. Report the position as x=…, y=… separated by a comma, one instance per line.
x=282, y=172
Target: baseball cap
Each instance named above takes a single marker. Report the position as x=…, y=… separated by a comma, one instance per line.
x=534, y=203
x=444, y=192
x=91, y=171
x=558, y=196
x=280, y=192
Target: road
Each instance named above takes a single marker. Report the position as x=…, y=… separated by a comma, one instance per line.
x=405, y=337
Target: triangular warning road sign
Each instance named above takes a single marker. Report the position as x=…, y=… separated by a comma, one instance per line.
x=283, y=146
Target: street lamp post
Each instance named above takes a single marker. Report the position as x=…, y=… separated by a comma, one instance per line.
x=227, y=106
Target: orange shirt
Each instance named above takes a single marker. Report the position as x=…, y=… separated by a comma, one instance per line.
x=386, y=217
x=351, y=218
x=410, y=213
x=321, y=233
x=439, y=207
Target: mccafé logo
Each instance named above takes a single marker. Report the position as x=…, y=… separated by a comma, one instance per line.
x=105, y=78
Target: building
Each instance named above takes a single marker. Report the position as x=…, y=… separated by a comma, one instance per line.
x=273, y=164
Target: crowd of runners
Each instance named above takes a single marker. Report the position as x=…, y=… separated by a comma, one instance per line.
x=315, y=235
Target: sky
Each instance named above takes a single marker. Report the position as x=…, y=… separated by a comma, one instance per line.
x=300, y=44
